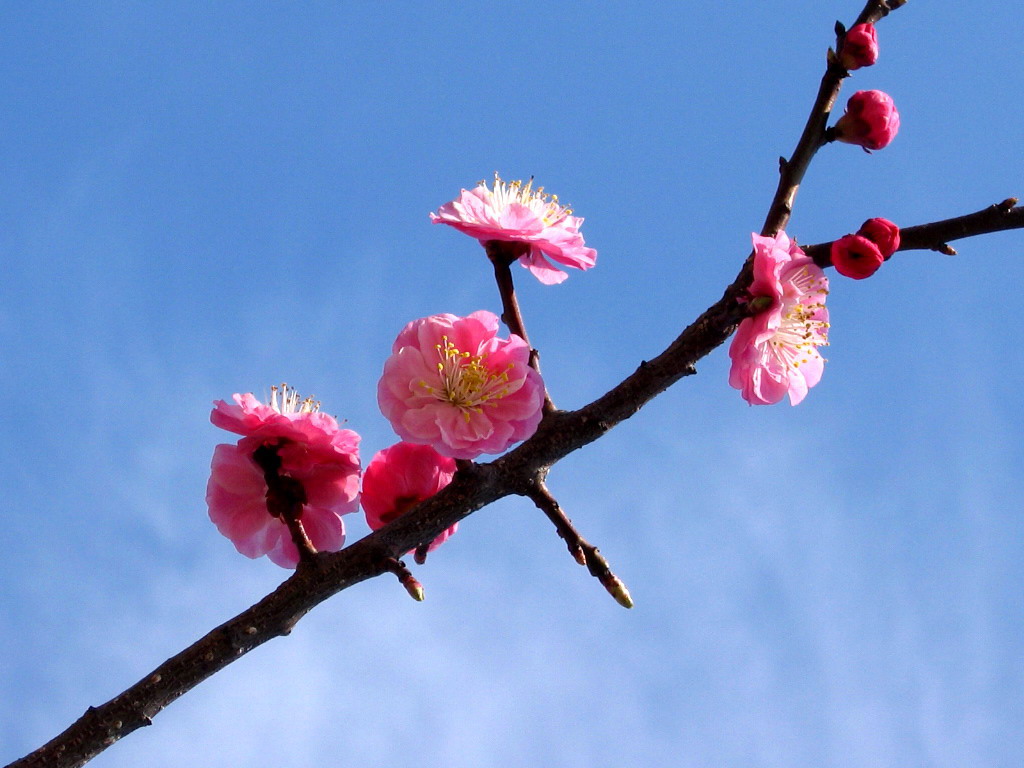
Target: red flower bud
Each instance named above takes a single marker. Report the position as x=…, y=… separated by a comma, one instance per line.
x=860, y=47
x=871, y=120
x=855, y=256
x=882, y=233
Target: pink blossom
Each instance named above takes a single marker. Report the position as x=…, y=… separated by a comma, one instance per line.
x=452, y=383
x=871, y=120
x=882, y=233
x=515, y=212
x=312, y=449
x=860, y=47
x=400, y=477
x=775, y=352
x=855, y=256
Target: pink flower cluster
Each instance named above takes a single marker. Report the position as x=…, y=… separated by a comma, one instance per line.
x=775, y=352
x=870, y=121
x=400, y=477
x=516, y=212
x=860, y=255
x=451, y=383
x=313, y=451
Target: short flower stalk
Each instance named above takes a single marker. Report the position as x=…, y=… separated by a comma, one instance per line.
x=285, y=498
x=502, y=254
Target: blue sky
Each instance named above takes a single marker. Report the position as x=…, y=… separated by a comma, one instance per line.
x=199, y=199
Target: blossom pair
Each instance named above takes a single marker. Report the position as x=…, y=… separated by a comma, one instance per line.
x=320, y=462
x=861, y=254
x=871, y=120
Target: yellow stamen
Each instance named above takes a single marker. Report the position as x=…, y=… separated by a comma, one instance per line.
x=547, y=207
x=465, y=380
x=285, y=400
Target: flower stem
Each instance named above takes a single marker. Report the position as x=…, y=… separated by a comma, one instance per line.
x=285, y=498
x=502, y=254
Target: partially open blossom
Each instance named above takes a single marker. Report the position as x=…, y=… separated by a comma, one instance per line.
x=400, y=477
x=516, y=212
x=313, y=451
x=855, y=256
x=860, y=47
x=882, y=233
x=453, y=384
x=871, y=120
x=775, y=352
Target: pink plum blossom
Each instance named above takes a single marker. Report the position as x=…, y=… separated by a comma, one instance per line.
x=516, y=212
x=400, y=477
x=313, y=451
x=871, y=120
x=860, y=47
x=775, y=352
x=453, y=384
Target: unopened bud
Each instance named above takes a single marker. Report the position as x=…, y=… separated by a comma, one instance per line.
x=871, y=120
x=860, y=47
x=413, y=587
x=617, y=589
x=855, y=256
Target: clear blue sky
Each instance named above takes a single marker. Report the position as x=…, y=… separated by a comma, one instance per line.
x=204, y=198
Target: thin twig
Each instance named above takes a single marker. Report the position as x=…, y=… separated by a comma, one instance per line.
x=582, y=551
x=286, y=498
x=791, y=171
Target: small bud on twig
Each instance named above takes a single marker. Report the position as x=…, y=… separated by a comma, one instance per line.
x=617, y=589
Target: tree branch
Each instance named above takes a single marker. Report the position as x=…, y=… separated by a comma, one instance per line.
x=474, y=486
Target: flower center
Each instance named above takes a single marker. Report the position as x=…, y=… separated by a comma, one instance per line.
x=466, y=382
x=546, y=207
x=286, y=400
x=801, y=330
